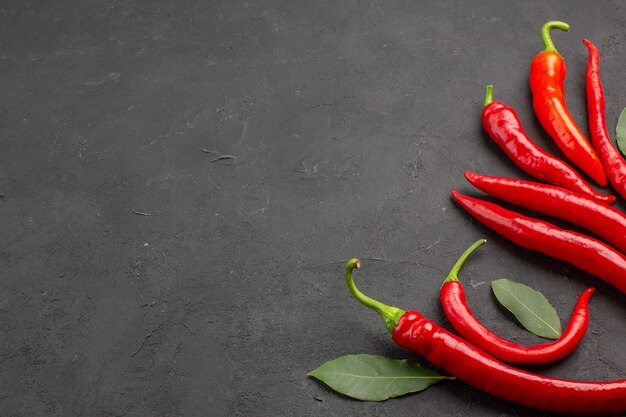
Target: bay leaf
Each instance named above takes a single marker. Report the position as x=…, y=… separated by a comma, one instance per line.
x=375, y=378
x=531, y=308
x=620, y=132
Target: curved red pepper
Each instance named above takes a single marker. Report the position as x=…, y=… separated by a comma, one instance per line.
x=504, y=127
x=468, y=363
x=580, y=250
x=613, y=163
x=547, y=72
x=601, y=219
x=454, y=303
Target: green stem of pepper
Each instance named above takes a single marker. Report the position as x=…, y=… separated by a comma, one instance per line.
x=488, y=95
x=390, y=315
x=453, y=275
x=545, y=33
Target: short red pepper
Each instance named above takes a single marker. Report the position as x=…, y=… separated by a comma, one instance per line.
x=468, y=363
x=547, y=73
x=460, y=316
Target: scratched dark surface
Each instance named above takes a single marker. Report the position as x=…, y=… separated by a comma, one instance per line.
x=182, y=182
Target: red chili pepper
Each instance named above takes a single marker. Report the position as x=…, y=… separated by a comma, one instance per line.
x=613, y=163
x=459, y=314
x=599, y=218
x=580, y=250
x=547, y=72
x=504, y=127
x=468, y=363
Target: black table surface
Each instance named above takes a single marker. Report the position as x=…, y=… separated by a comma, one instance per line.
x=182, y=182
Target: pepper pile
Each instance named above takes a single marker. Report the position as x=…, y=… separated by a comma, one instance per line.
x=570, y=198
x=477, y=356
x=476, y=367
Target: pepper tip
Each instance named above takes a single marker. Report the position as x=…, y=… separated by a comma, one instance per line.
x=469, y=176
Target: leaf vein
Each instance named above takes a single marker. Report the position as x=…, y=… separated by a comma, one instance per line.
x=387, y=377
x=531, y=311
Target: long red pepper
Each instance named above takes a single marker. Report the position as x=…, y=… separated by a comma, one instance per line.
x=454, y=303
x=613, y=163
x=468, y=363
x=601, y=219
x=580, y=250
x=547, y=73
x=505, y=129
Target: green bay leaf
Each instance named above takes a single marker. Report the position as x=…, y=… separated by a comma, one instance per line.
x=375, y=378
x=529, y=306
x=620, y=132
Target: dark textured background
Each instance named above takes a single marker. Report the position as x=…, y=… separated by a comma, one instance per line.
x=350, y=123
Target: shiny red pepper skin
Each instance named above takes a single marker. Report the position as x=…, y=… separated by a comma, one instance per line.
x=613, y=163
x=601, y=219
x=547, y=73
x=480, y=370
x=505, y=129
x=580, y=250
x=459, y=314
